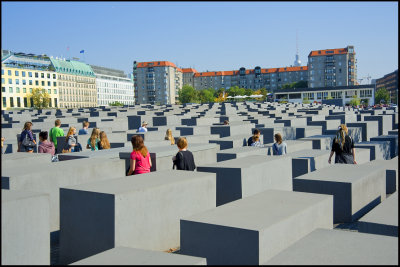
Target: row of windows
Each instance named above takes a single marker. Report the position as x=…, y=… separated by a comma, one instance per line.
x=78, y=98
x=114, y=85
x=30, y=74
x=65, y=91
x=112, y=97
x=9, y=102
x=106, y=102
x=43, y=83
x=18, y=90
x=87, y=86
x=115, y=91
x=76, y=78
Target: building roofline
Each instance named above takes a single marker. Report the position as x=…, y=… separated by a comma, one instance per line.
x=301, y=90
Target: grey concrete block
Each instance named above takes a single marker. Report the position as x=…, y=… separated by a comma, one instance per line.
x=336, y=247
x=394, y=143
x=392, y=175
x=356, y=189
x=383, y=219
x=25, y=228
x=254, y=229
x=323, y=142
x=378, y=149
x=61, y=174
x=135, y=256
x=369, y=129
x=238, y=178
x=140, y=211
x=384, y=123
x=230, y=141
x=306, y=161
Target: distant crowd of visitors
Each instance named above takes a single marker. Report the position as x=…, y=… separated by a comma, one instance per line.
x=140, y=159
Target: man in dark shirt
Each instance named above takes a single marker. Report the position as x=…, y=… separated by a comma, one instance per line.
x=256, y=132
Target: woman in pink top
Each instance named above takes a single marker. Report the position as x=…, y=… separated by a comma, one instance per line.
x=140, y=157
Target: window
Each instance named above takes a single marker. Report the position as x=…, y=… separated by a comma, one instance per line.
x=16, y=73
x=11, y=102
x=30, y=74
x=36, y=82
x=48, y=75
x=36, y=75
x=10, y=89
x=42, y=75
x=18, y=102
x=4, y=102
x=55, y=91
x=30, y=82
x=42, y=83
x=54, y=83
x=9, y=81
x=325, y=95
x=23, y=73
x=54, y=76
x=3, y=81
x=24, y=82
x=3, y=89
x=25, y=102
x=48, y=83
x=2, y=72
x=16, y=81
x=17, y=90
x=24, y=90
x=9, y=72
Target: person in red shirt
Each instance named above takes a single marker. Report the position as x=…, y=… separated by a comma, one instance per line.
x=140, y=161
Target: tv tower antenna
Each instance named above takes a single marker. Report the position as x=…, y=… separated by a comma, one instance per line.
x=297, y=61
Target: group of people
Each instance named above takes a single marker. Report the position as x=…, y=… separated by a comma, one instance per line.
x=48, y=140
x=140, y=160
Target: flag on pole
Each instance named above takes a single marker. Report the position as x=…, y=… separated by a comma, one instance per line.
x=82, y=51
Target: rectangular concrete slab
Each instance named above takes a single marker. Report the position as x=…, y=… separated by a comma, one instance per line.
x=251, y=230
x=383, y=219
x=238, y=178
x=392, y=172
x=356, y=189
x=140, y=211
x=25, y=228
x=135, y=256
x=337, y=247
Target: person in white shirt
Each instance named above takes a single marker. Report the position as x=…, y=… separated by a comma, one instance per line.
x=143, y=128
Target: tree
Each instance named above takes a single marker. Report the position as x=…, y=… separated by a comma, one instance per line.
x=248, y=92
x=306, y=101
x=206, y=95
x=382, y=96
x=187, y=94
x=116, y=103
x=300, y=84
x=263, y=92
x=355, y=101
x=41, y=99
x=218, y=92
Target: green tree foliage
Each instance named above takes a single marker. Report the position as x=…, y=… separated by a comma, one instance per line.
x=41, y=99
x=218, y=92
x=206, y=95
x=264, y=92
x=187, y=94
x=300, y=84
x=382, y=96
x=116, y=103
x=248, y=92
x=306, y=101
x=355, y=101
x=235, y=91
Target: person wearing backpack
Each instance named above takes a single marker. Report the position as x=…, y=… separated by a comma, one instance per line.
x=26, y=139
x=55, y=132
x=343, y=147
x=184, y=159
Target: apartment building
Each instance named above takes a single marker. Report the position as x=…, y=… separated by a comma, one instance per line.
x=77, y=84
x=113, y=85
x=345, y=93
x=157, y=82
x=21, y=73
x=332, y=67
x=272, y=78
x=391, y=83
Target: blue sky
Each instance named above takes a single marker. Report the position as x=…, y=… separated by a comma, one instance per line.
x=204, y=35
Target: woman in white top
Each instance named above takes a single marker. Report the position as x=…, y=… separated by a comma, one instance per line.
x=279, y=148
